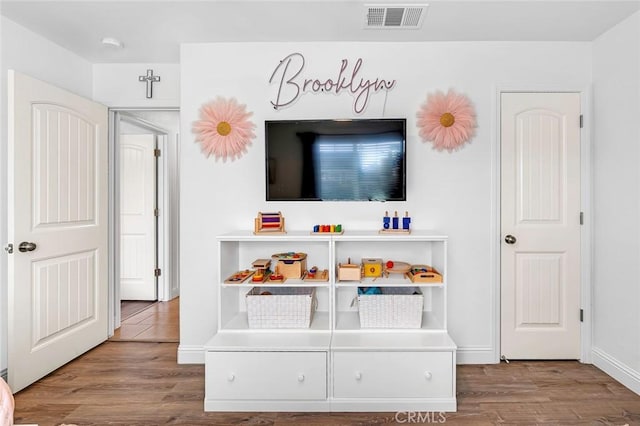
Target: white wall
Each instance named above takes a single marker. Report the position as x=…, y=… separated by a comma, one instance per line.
x=29, y=53
x=616, y=197
x=117, y=85
x=450, y=193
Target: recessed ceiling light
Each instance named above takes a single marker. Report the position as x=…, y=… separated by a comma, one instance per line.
x=111, y=41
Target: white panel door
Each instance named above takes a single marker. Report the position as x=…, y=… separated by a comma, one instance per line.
x=540, y=217
x=137, y=219
x=58, y=214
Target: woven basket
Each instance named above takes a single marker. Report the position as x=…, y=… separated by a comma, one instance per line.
x=285, y=307
x=396, y=307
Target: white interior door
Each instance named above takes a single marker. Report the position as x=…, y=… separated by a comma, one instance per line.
x=540, y=220
x=137, y=219
x=57, y=189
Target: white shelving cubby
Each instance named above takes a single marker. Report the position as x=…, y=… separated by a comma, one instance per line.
x=334, y=365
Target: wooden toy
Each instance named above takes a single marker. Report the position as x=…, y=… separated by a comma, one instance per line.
x=314, y=274
x=424, y=274
x=327, y=229
x=386, y=221
x=291, y=265
x=392, y=225
x=261, y=273
x=406, y=221
x=239, y=277
x=261, y=263
x=311, y=273
x=276, y=276
x=349, y=271
x=395, y=267
x=269, y=223
x=372, y=268
x=259, y=276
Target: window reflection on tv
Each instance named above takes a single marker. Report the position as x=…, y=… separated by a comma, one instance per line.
x=336, y=160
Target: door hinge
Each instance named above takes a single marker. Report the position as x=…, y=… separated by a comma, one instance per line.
x=581, y=121
x=156, y=212
x=157, y=272
x=9, y=248
x=581, y=315
x=156, y=152
x=581, y=218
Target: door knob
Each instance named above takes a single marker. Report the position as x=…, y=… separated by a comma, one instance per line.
x=25, y=247
x=510, y=239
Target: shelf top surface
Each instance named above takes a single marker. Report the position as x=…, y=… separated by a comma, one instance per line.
x=240, y=235
x=392, y=341
x=270, y=341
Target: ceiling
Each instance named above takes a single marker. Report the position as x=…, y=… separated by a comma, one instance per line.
x=152, y=30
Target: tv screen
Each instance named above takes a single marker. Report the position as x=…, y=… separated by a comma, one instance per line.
x=336, y=160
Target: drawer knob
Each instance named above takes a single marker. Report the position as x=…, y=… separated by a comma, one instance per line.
x=231, y=377
x=428, y=375
x=358, y=375
x=301, y=378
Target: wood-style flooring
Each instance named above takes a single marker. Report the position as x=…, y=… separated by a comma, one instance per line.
x=131, y=307
x=160, y=322
x=131, y=383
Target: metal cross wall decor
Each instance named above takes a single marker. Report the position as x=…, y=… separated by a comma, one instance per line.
x=149, y=79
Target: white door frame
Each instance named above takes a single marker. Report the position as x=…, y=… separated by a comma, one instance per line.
x=585, y=207
x=165, y=228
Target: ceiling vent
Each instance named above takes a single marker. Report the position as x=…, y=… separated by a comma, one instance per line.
x=395, y=16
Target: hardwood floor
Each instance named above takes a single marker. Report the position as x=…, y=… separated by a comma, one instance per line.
x=131, y=383
x=131, y=307
x=160, y=322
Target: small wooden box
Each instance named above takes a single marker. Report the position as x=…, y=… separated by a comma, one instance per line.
x=424, y=274
x=349, y=272
x=372, y=268
x=291, y=268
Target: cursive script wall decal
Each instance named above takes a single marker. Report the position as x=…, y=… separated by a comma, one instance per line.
x=291, y=85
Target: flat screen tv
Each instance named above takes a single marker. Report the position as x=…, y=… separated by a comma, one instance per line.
x=336, y=160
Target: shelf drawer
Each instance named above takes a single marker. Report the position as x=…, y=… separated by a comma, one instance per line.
x=266, y=375
x=393, y=374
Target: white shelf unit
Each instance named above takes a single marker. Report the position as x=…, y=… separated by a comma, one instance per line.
x=237, y=251
x=414, y=249
x=334, y=365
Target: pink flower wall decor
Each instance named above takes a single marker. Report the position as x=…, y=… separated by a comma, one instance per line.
x=224, y=129
x=448, y=121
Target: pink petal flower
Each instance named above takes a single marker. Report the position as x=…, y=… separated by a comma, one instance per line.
x=431, y=128
x=215, y=138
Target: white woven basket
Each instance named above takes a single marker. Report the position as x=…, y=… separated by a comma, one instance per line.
x=396, y=307
x=285, y=307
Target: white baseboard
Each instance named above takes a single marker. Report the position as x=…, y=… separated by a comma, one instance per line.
x=616, y=369
x=190, y=354
x=476, y=355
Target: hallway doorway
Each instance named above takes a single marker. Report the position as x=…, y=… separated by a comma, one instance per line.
x=144, y=240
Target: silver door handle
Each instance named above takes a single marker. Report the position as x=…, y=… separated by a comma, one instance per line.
x=510, y=239
x=25, y=247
